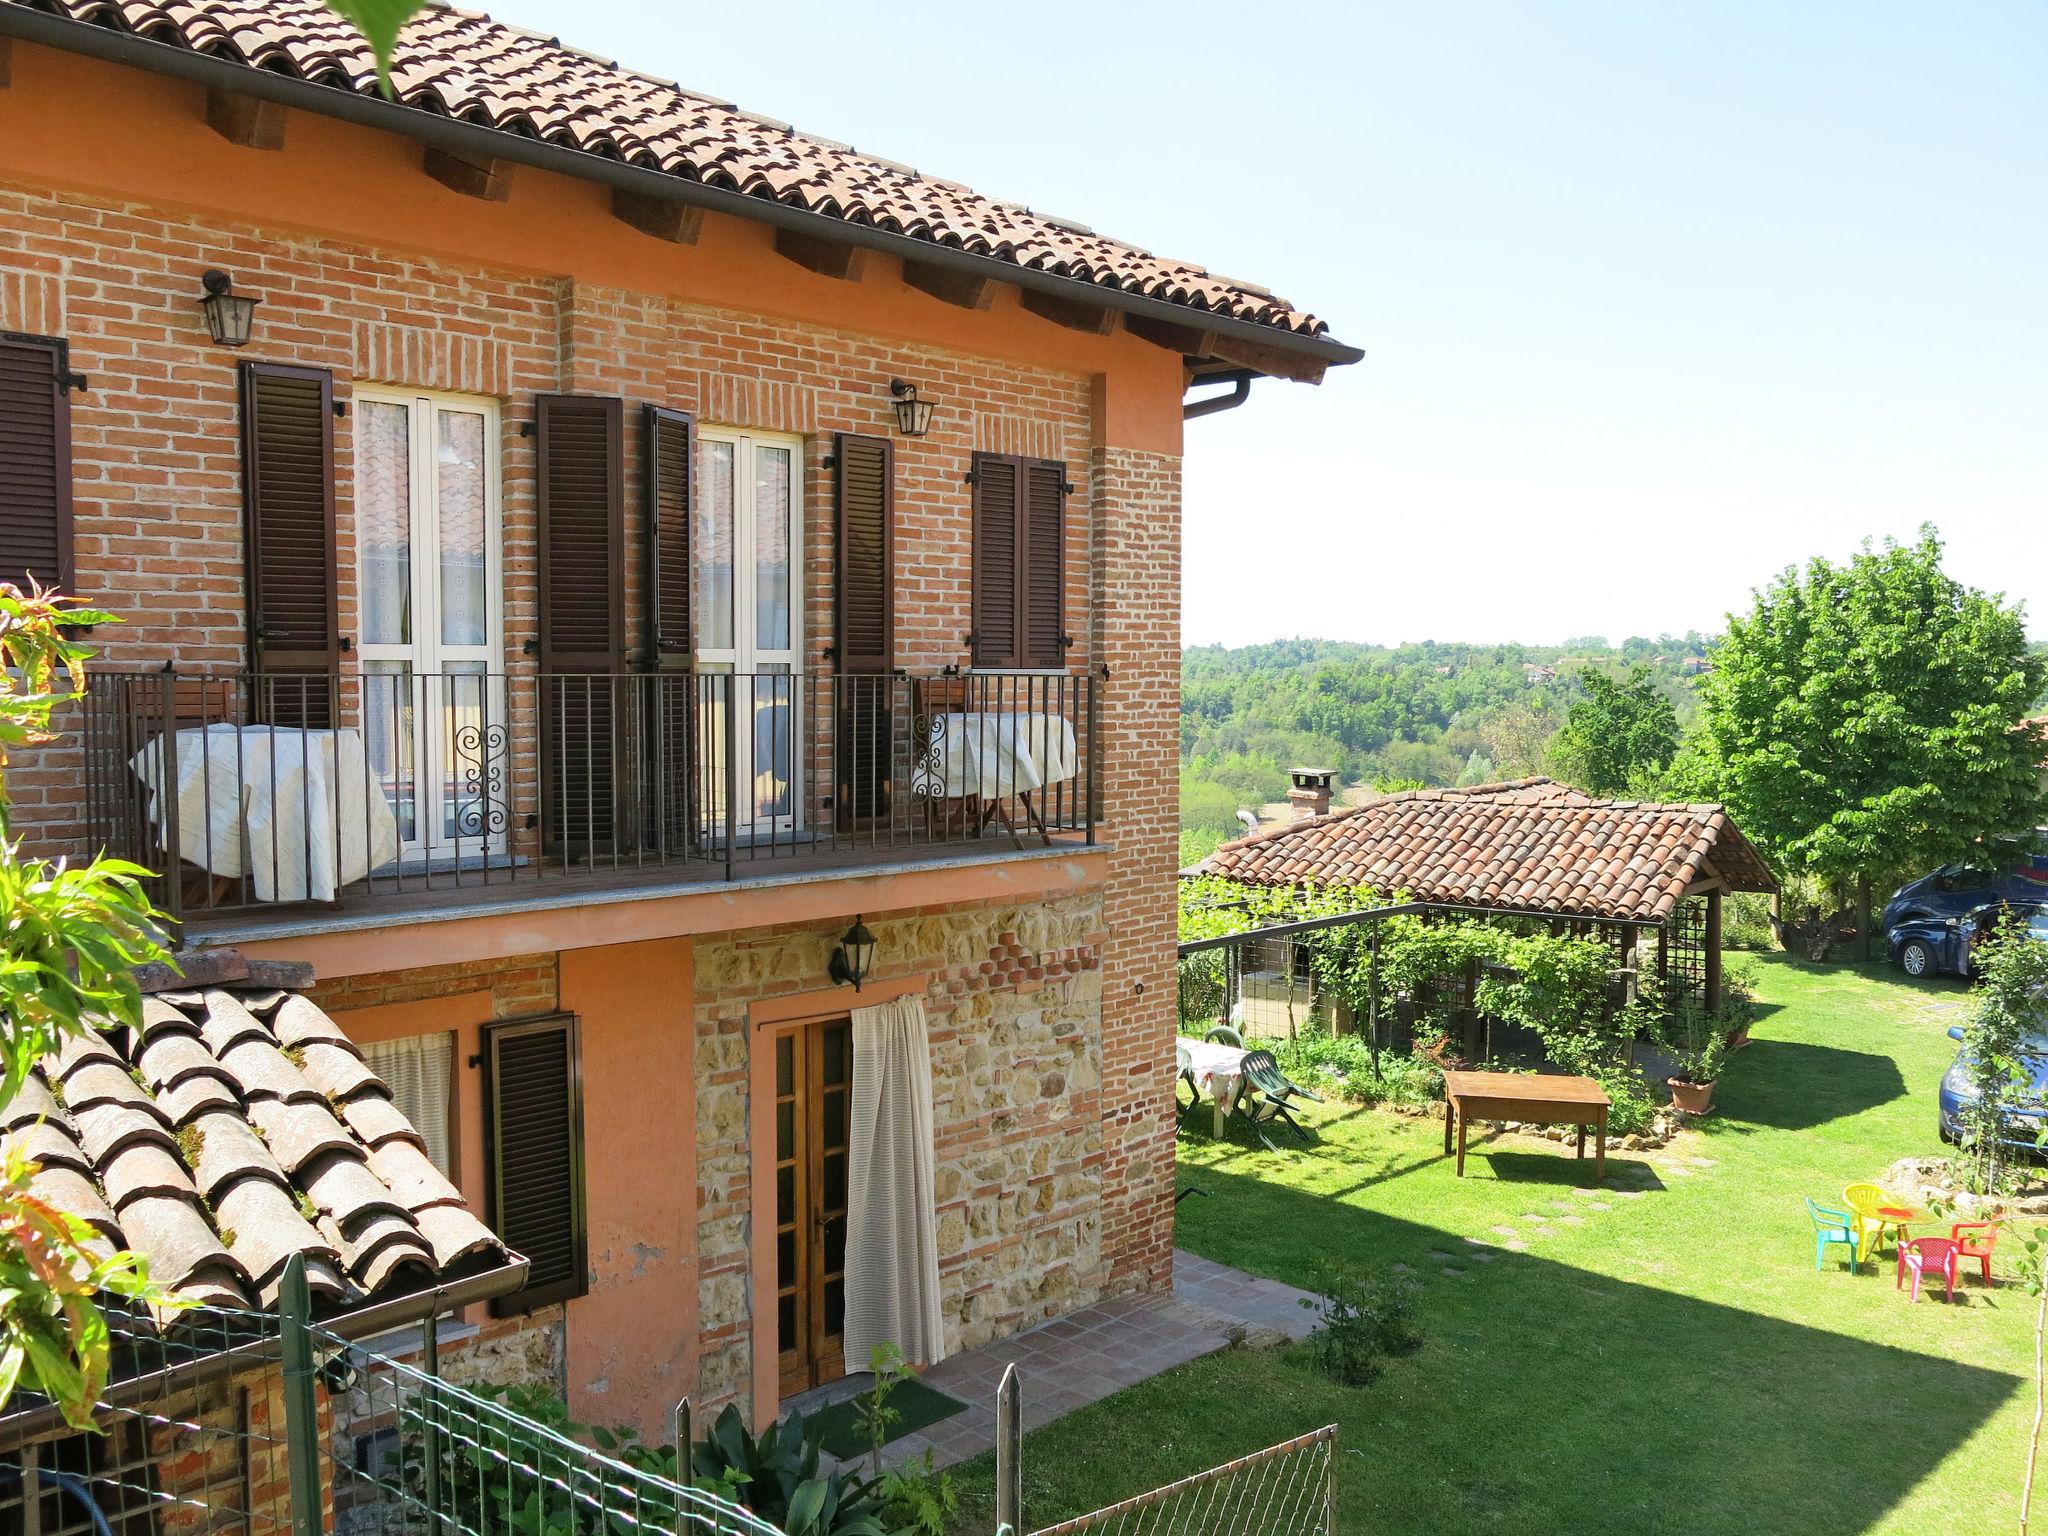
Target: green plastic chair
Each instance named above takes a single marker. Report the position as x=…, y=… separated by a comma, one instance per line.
x=1223, y=1034
x=1832, y=1226
x=1271, y=1091
x=1184, y=1064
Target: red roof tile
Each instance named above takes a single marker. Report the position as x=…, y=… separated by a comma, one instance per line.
x=1532, y=845
x=464, y=65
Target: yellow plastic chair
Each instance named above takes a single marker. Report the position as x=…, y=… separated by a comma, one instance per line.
x=1866, y=1200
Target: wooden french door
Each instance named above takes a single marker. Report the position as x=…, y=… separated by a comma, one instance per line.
x=813, y=1107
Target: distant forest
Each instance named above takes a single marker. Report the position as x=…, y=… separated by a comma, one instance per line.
x=1387, y=716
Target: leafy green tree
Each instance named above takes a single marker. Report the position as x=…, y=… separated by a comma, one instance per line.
x=1620, y=734
x=73, y=935
x=1867, y=716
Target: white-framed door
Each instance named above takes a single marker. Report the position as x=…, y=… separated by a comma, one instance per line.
x=430, y=587
x=747, y=544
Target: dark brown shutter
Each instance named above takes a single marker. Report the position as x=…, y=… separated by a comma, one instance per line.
x=533, y=1126
x=585, y=758
x=288, y=535
x=1044, y=515
x=670, y=455
x=864, y=631
x=996, y=566
x=582, y=533
x=670, y=713
x=35, y=462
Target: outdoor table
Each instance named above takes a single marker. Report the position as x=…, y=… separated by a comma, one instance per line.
x=1219, y=1073
x=1539, y=1098
x=301, y=812
x=989, y=755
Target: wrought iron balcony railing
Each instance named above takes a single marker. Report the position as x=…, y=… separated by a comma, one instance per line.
x=248, y=790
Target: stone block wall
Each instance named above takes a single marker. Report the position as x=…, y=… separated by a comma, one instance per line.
x=1014, y=1001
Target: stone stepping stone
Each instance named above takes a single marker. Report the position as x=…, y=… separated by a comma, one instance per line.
x=1400, y=1269
x=1629, y=1194
x=1573, y=1221
x=1678, y=1170
x=1518, y=1246
x=1453, y=1273
x=1534, y=1218
x=1440, y=1256
x=1483, y=1256
x=1561, y=1205
x=1500, y=1231
x=1480, y=1242
x=1703, y=1162
x=1586, y=1194
x=1599, y=1205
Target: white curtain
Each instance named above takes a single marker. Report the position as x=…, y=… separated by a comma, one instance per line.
x=892, y=1222
x=417, y=1069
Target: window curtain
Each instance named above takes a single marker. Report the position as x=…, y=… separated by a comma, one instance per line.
x=892, y=1222
x=418, y=1072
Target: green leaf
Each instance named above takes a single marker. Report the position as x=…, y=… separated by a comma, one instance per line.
x=379, y=22
x=806, y=1504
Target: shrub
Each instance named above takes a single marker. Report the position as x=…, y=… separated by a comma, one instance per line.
x=1360, y=1323
x=1344, y=1064
x=1746, y=922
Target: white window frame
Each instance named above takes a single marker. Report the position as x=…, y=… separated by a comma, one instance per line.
x=427, y=654
x=743, y=656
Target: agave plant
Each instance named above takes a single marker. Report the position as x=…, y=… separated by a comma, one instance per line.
x=775, y=1474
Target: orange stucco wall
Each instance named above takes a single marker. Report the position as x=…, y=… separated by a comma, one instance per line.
x=70, y=121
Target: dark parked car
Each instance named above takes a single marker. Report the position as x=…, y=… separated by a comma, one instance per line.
x=2024, y=1121
x=1940, y=946
x=1955, y=890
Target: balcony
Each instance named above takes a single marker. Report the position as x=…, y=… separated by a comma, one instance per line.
x=384, y=790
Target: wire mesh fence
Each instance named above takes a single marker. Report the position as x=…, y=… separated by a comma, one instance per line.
x=1284, y=1490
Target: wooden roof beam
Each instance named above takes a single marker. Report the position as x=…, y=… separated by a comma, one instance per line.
x=1275, y=362
x=828, y=258
x=1186, y=340
x=677, y=223
x=1073, y=313
x=245, y=120
x=487, y=179
x=6, y=61
x=967, y=290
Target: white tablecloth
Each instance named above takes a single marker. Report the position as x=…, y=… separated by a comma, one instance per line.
x=993, y=753
x=1216, y=1066
x=299, y=811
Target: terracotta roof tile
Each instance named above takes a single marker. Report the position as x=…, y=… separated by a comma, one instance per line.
x=225, y=1159
x=464, y=65
x=1530, y=844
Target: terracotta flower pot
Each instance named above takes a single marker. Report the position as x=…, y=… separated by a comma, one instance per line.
x=1690, y=1098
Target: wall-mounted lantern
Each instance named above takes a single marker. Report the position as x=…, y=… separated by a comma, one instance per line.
x=855, y=956
x=913, y=415
x=228, y=314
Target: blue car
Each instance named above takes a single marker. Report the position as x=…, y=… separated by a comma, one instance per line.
x=1940, y=946
x=2024, y=1122
x=1955, y=890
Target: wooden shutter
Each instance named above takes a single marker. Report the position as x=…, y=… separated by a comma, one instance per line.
x=670, y=455
x=671, y=712
x=995, y=561
x=1044, y=518
x=533, y=1127
x=864, y=630
x=585, y=758
x=582, y=533
x=865, y=509
x=288, y=540
x=1019, y=562
x=35, y=462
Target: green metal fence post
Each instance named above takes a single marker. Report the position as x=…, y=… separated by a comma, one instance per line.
x=430, y=1364
x=301, y=1403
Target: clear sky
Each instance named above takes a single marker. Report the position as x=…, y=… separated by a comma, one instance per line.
x=1656, y=298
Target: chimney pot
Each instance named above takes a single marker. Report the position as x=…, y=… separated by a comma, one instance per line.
x=1310, y=795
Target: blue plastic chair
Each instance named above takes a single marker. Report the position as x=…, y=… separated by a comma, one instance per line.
x=1831, y=1226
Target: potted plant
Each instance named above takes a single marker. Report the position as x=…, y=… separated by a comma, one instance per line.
x=1698, y=1043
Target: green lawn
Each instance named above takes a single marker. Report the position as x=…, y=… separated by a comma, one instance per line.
x=1671, y=1363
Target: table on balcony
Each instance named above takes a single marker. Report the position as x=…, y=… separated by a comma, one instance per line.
x=300, y=813
x=989, y=755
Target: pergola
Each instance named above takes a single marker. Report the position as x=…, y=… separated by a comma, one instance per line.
x=1531, y=849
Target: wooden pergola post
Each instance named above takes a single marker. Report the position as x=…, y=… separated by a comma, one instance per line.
x=1713, y=977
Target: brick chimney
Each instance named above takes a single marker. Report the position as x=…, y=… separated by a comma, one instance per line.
x=1310, y=795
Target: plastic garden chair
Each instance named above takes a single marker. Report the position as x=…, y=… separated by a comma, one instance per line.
x=1928, y=1256
x=1831, y=1226
x=1223, y=1034
x=1975, y=1240
x=1270, y=1094
x=1184, y=1064
x=1866, y=1201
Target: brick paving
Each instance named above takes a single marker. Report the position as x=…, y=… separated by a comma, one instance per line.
x=1090, y=1354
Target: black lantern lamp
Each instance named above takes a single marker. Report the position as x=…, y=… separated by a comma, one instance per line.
x=228, y=313
x=854, y=957
x=913, y=415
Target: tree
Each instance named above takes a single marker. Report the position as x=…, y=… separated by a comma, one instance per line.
x=1868, y=717
x=1622, y=732
x=72, y=939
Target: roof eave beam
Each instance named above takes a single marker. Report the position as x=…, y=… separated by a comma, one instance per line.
x=677, y=223
x=1076, y=314
x=820, y=254
x=484, y=177
x=963, y=290
x=249, y=121
x=480, y=143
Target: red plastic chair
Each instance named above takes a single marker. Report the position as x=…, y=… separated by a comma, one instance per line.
x=1928, y=1256
x=1975, y=1240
